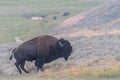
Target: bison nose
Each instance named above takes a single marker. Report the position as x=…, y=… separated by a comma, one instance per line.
x=66, y=58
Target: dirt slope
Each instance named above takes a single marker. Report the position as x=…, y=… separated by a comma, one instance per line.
x=95, y=33
x=104, y=18
x=95, y=36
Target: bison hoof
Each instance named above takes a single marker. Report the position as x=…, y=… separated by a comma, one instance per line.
x=27, y=72
x=42, y=69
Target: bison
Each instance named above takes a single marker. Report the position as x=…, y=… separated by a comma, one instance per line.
x=42, y=49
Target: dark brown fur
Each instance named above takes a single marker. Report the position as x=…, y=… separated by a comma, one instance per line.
x=42, y=49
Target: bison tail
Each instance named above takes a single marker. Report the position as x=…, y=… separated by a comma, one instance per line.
x=12, y=54
x=10, y=57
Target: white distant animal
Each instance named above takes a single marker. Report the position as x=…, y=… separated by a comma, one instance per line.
x=37, y=18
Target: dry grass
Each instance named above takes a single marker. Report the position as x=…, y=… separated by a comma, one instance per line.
x=109, y=68
x=89, y=33
x=70, y=21
x=80, y=71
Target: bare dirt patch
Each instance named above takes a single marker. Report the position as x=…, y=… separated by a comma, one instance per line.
x=89, y=33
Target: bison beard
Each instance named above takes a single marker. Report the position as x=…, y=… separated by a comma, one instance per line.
x=42, y=49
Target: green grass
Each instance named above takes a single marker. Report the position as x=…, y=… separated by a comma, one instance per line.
x=13, y=22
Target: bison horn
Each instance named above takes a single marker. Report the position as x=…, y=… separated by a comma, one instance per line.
x=60, y=44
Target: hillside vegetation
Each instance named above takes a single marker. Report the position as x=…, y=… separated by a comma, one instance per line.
x=95, y=37
x=16, y=16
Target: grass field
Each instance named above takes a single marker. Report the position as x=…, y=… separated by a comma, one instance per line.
x=76, y=72
x=15, y=16
x=95, y=47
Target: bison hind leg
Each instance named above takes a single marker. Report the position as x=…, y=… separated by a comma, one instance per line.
x=18, y=67
x=22, y=67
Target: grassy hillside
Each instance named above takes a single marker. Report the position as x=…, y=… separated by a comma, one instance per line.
x=94, y=35
x=15, y=16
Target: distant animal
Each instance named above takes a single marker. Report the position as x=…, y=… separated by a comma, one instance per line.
x=42, y=49
x=18, y=40
x=54, y=17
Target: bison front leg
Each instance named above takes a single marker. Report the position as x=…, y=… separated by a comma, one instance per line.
x=39, y=63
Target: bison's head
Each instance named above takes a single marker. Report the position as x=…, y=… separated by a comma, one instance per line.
x=64, y=48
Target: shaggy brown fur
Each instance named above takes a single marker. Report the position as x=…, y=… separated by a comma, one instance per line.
x=42, y=49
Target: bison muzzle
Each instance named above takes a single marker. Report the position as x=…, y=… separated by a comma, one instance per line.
x=42, y=49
